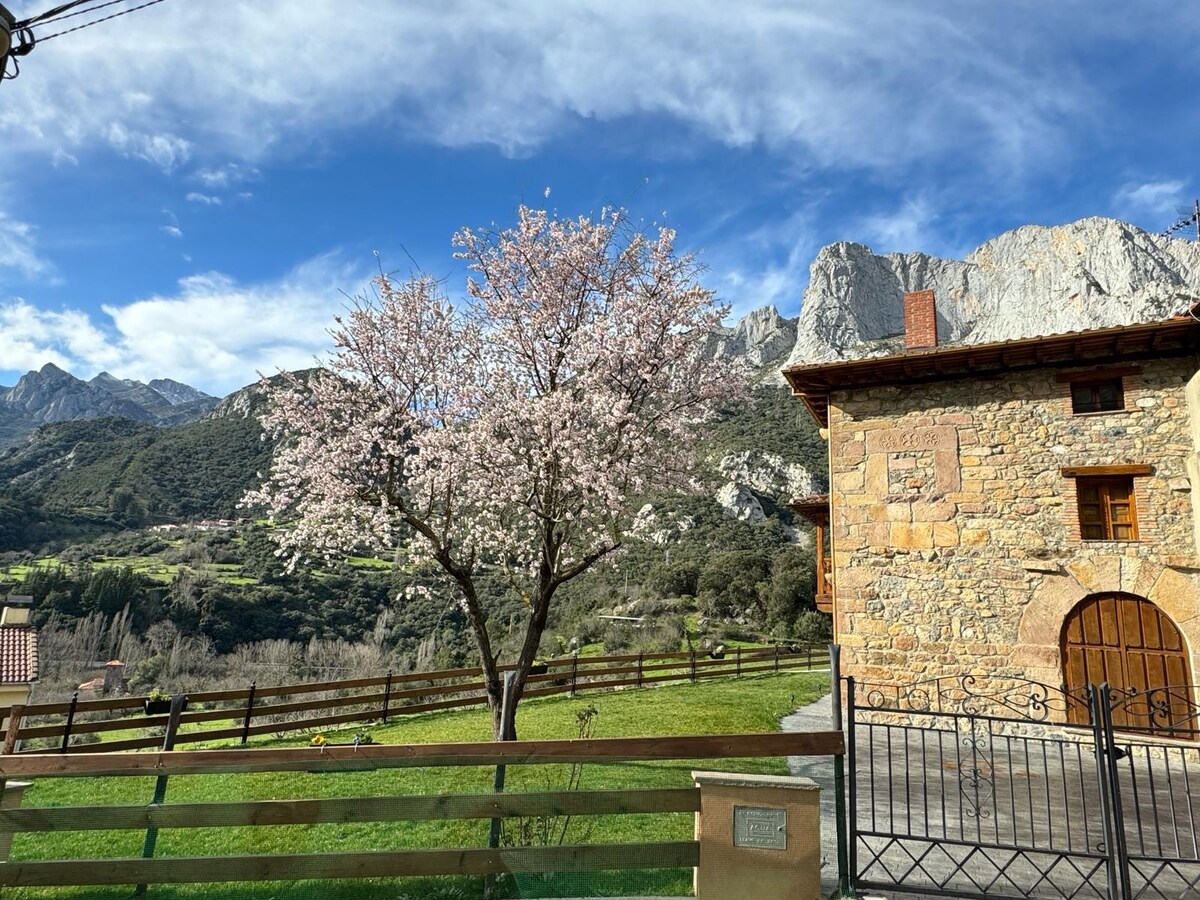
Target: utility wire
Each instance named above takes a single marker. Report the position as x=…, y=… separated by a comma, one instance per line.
x=79, y=12
x=51, y=13
x=117, y=15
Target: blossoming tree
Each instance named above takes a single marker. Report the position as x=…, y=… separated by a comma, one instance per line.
x=501, y=435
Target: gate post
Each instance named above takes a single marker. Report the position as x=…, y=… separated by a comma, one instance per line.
x=839, y=774
x=850, y=819
x=1107, y=755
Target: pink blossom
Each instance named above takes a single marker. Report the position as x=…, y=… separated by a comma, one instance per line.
x=503, y=433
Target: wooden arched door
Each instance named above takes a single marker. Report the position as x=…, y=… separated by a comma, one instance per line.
x=1129, y=642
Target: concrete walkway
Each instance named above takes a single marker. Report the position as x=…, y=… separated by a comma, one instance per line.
x=818, y=716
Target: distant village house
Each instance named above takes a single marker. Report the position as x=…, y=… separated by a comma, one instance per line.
x=18, y=650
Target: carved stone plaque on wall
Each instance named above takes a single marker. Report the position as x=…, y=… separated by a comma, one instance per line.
x=760, y=827
x=936, y=444
x=900, y=440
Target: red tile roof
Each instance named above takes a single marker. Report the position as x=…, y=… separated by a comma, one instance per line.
x=18, y=654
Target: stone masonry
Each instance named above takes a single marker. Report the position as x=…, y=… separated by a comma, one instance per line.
x=955, y=534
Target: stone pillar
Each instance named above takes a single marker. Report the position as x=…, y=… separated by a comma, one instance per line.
x=759, y=837
x=13, y=792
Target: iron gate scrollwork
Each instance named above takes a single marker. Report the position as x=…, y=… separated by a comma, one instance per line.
x=966, y=788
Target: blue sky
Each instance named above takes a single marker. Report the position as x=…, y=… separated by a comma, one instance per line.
x=190, y=190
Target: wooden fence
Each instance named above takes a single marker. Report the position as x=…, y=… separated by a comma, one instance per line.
x=280, y=709
x=410, y=862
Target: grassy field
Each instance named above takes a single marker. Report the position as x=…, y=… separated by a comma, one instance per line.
x=155, y=568
x=752, y=704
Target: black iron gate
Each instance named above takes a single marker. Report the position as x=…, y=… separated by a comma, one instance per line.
x=959, y=788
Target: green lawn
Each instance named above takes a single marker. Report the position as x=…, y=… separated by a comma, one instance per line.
x=751, y=704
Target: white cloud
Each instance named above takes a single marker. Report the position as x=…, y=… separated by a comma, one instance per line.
x=203, y=199
x=1153, y=203
x=31, y=337
x=219, y=177
x=833, y=82
x=18, y=248
x=173, y=230
x=213, y=333
x=768, y=266
x=163, y=150
x=902, y=230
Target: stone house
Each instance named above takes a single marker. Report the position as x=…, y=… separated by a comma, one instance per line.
x=1020, y=509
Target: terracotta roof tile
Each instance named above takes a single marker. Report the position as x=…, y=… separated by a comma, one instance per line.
x=18, y=654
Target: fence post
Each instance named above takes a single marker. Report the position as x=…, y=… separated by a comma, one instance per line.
x=776, y=657
x=809, y=667
x=178, y=702
x=738, y=650
x=249, y=713
x=489, y=884
x=574, y=671
x=70, y=721
x=639, y=671
x=387, y=695
x=15, y=714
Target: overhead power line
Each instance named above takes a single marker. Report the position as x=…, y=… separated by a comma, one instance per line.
x=19, y=37
x=107, y=18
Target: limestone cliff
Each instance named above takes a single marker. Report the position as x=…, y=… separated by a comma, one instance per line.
x=1031, y=281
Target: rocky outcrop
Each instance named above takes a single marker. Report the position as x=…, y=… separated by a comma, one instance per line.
x=739, y=503
x=761, y=337
x=178, y=394
x=772, y=475
x=651, y=525
x=1031, y=281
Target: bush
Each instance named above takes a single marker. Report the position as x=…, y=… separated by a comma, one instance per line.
x=673, y=580
x=813, y=627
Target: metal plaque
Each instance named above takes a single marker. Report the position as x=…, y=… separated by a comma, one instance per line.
x=755, y=826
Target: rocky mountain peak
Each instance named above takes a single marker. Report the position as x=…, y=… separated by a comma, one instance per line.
x=762, y=337
x=53, y=395
x=176, y=393
x=1030, y=281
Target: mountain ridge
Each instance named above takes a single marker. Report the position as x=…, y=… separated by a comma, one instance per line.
x=51, y=394
x=1030, y=281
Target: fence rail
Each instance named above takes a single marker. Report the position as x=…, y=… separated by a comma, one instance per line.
x=278, y=709
x=458, y=861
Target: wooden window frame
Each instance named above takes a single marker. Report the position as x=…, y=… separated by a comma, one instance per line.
x=1106, y=504
x=1086, y=397
x=1092, y=381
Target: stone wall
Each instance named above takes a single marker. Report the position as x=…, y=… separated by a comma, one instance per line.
x=954, y=532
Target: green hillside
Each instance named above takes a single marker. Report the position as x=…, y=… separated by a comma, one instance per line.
x=112, y=473
x=76, y=500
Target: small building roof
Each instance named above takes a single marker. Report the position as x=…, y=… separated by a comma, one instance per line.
x=1148, y=340
x=18, y=654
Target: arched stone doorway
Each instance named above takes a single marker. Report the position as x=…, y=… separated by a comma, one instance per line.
x=1129, y=642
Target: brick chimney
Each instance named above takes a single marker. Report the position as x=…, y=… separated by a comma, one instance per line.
x=920, y=320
